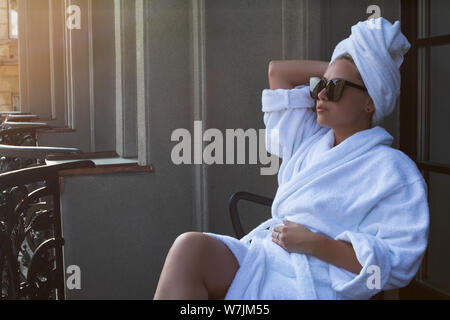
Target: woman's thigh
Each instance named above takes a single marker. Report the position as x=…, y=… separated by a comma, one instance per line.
x=216, y=263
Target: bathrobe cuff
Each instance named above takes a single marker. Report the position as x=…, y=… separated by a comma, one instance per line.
x=281, y=99
x=373, y=255
x=289, y=119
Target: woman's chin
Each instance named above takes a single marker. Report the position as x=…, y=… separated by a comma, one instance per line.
x=321, y=120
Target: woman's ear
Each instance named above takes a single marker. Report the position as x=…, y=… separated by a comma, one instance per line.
x=370, y=106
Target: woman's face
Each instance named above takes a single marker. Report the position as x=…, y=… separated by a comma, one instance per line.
x=350, y=111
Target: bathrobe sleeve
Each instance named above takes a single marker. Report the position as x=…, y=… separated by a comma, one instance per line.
x=389, y=244
x=288, y=118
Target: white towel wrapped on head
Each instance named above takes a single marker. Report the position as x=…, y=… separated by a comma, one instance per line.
x=377, y=47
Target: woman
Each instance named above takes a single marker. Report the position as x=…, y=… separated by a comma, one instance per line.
x=350, y=217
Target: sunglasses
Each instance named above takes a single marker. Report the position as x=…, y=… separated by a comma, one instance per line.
x=334, y=87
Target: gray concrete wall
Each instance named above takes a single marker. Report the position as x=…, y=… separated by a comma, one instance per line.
x=241, y=38
x=121, y=232
x=118, y=229
x=68, y=76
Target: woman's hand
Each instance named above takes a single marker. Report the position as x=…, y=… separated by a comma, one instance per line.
x=294, y=237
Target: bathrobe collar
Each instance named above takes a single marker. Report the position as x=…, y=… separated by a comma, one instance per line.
x=323, y=157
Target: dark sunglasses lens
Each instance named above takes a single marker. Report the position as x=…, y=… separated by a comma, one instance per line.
x=330, y=90
x=338, y=87
x=315, y=86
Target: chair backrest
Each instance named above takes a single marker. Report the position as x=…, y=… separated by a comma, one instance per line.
x=233, y=207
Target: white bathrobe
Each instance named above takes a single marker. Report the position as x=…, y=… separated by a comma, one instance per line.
x=362, y=191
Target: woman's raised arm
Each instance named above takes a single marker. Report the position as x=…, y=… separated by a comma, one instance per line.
x=287, y=74
x=288, y=114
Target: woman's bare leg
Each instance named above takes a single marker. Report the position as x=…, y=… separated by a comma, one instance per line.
x=197, y=267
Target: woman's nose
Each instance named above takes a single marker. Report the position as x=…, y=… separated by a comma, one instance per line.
x=323, y=94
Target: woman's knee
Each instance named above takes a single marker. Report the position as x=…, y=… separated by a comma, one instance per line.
x=202, y=250
x=207, y=257
x=188, y=244
x=189, y=240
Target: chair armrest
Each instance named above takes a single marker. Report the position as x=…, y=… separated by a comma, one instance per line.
x=234, y=214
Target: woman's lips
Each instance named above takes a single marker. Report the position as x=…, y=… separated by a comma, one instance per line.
x=320, y=108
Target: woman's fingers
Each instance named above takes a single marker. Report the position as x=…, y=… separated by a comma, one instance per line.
x=276, y=239
x=275, y=235
x=279, y=228
x=277, y=231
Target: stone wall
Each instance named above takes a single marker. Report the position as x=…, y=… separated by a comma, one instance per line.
x=9, y=67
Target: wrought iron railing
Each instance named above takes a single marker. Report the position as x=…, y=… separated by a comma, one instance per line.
x=20, y=133
x=30, y=241
x=31, y=262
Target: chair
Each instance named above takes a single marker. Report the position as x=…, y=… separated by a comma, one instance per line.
x=234, y=213
x=236, y=221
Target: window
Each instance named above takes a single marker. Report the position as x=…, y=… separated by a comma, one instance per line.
x=424, y=135
x=13, y=19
